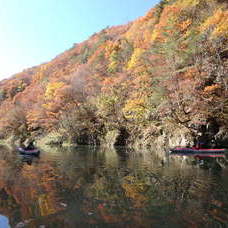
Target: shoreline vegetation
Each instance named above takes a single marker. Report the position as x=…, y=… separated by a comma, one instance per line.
x=157, y=82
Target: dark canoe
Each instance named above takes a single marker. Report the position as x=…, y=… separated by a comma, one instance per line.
x=28, y=152
x=190, y=151
x=201, y=155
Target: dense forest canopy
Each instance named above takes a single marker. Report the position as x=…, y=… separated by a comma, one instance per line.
x=167, y=67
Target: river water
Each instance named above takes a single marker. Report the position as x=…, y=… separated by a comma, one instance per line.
x=89, y=187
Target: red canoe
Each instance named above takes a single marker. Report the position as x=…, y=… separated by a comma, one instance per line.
x=193, y=150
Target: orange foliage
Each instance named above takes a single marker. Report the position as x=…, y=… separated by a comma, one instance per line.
x=153, y=53
x=211, y=89
x=168, y=18
x=135, y=190
x=191, y=73
x=184, y=25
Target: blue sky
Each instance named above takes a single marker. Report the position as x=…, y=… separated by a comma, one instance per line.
x=35, y=31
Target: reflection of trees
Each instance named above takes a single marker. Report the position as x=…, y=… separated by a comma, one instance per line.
x=30, y=191
x=160, y=192
x=96, y=186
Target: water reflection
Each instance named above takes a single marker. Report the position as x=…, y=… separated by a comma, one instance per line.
x=91, y=187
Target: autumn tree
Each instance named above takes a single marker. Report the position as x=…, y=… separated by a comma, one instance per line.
x=16, y=123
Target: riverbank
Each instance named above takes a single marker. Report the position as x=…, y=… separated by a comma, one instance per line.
x=157, y=138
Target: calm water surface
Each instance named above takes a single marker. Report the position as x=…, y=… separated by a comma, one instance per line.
x=87, y=187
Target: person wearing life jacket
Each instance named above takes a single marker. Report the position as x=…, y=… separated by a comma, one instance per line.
x=30, y=146
x=202, y=139
x=201, y=142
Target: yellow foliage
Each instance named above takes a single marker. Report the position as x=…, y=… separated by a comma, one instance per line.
x=222, y=28
x=51, y=89
x=41, y=73
x=106, y=104
x=51, y=106
x=135, y=108
x=45, y=205
x=188, y=3
x=135, y=190
x=112, y=66
x=112, y=46
x=155, y=34
x=219, y=21
x=134, y=58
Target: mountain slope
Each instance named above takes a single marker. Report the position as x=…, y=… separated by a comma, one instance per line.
x=166, y=70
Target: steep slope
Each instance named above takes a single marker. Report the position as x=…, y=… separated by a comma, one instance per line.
x=163, y=75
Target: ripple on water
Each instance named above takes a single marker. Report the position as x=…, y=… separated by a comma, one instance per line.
x=101, y=187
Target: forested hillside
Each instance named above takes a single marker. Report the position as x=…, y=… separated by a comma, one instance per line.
x=165, y=71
